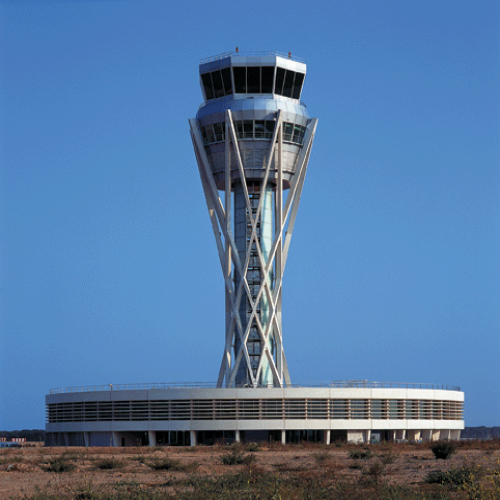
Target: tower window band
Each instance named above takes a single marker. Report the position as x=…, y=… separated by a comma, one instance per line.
x=252, y=80
x=254, y=129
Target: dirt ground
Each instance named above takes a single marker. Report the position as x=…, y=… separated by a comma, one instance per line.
x=23, y=471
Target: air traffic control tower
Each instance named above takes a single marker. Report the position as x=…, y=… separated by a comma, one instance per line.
x=252, y=138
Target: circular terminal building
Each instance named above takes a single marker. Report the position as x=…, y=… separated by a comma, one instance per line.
x=252, y=138
x=157, y=414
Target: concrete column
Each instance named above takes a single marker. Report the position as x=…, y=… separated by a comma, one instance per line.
x=66, y=438
x=400, y=434
x=86, y=439
x=413, y=435
x=455, y=434
x=115, y=440
x=283, y=437
x=426, y=435
x=444, y=434
x=152, y=438
x=326, y=437
x=367, y=436
x=237, y=436
x=192, y=435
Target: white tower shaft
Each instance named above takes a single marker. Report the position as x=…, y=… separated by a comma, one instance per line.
x=253, y=254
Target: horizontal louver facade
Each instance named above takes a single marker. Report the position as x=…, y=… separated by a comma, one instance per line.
x=255, y=409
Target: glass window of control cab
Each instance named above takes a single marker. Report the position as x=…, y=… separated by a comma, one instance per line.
x=252, y=80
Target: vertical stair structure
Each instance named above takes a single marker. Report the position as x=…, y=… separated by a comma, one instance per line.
x=252, y=138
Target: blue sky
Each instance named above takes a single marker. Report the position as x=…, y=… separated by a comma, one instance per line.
x=109, y=272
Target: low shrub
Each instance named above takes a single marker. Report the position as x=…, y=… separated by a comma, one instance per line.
x=108, y=464
x=374, y=471
x=165, y=463
x=11, y=460
x=83, y=490
x=321, y=457
x=58, y=464
x=388, y=456
x=443, y=449
x=360, y=454
x=232, y=458
x=356, y=465
x=236, y=457
x=467, y=474
x=252, y=446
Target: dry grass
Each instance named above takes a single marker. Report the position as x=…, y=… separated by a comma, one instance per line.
x=297, y=472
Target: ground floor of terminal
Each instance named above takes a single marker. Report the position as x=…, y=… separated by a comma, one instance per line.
x=208, y=438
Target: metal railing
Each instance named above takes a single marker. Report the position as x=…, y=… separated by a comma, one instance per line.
x=133, y=387
x=362, y=384
x=224, y=55
x=355, y=384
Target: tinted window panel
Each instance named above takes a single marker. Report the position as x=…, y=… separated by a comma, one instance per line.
x=204, y=134
x=210, y=134
x=270, y=128
x=239, y=130
x=296, y=133
x=260, y=129
x=280, y=77
x=288, y=86
x=240, y=80
x=287, y=132
x=267, y=79
x=248, y=126
x=219, y=132
x=302, y=134
x=253, y=80
x=297, y=87
x=218, y=88
x=226, y=78
x=207, y=85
